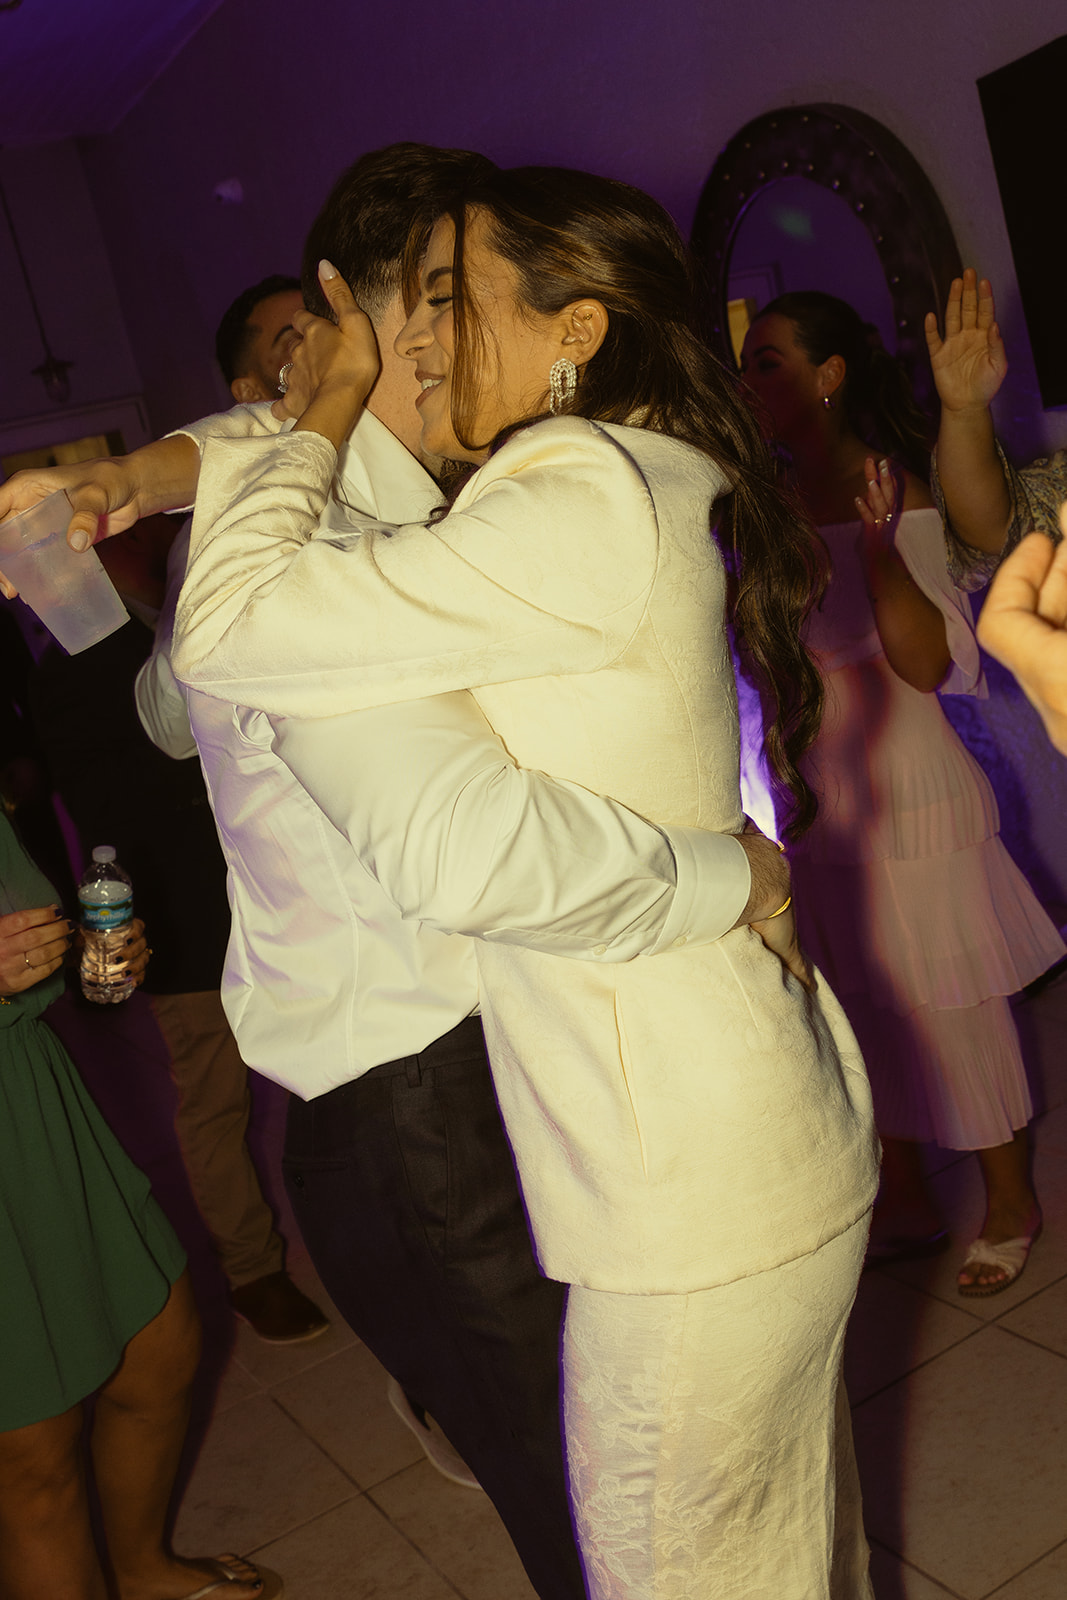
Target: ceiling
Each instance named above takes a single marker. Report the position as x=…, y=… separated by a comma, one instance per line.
x=73, y=67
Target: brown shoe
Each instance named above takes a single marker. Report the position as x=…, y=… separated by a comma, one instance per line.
x=277, y=1311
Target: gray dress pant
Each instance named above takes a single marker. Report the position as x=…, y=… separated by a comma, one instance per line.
x=404, y=1188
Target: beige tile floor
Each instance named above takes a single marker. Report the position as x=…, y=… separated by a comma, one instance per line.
x=960, y=1412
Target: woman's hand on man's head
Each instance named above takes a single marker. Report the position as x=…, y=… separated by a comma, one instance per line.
x=334, y=367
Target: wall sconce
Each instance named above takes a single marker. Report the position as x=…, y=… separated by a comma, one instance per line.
x=52, y=371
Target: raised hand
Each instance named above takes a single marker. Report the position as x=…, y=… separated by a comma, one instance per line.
x=335, y=365
x=970, y=362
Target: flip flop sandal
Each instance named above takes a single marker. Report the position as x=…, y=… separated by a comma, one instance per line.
x=273, y=1587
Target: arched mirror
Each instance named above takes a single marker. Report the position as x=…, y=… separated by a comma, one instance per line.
x=824, y=197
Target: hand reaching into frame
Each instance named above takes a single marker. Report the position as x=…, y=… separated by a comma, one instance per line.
x=970, y=362
x=1024, y=624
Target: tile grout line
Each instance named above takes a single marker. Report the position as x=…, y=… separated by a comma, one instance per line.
x=1030, y=1566
x=902, y=1378
x=364, y=1495
x=911, y=1567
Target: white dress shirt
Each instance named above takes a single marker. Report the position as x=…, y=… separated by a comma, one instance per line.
x=678, y=1123
x=361, y=846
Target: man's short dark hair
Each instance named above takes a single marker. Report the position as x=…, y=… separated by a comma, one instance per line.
x=363, y=228
x=234, y=336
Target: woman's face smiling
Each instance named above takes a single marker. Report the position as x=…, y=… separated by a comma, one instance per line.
x=519, y=346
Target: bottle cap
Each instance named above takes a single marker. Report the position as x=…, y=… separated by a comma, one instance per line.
x=104, y=852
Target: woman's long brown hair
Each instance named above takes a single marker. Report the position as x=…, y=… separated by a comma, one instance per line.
x=570, y=235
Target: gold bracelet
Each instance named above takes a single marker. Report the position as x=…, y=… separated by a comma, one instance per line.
x=781, y=908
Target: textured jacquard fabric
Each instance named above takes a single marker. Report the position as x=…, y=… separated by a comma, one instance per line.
x=575, y=588
x=708, y=1437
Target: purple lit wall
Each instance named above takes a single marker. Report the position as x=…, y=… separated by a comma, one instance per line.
x=282, y=98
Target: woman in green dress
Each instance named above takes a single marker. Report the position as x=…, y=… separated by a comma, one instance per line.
x=94, y=1297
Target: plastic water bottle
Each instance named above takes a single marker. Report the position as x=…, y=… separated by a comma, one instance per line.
x=105, y=895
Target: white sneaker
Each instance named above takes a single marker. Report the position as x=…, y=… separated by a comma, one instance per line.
x=438, y=1451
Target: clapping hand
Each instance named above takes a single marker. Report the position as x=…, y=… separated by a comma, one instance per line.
x=970, y=362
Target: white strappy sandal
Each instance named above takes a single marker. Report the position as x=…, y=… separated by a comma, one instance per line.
x=1010, y=1255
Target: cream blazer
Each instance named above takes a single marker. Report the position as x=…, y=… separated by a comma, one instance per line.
x=678, y=1122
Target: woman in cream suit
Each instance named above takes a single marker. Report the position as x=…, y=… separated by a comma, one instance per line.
x=693, y=1132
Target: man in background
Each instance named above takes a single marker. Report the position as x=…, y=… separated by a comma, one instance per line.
x=119, y=789
x=255, y=338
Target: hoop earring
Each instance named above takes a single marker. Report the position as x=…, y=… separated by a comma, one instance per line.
x=562, y=383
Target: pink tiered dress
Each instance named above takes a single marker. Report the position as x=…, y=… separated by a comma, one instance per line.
x=907, y=899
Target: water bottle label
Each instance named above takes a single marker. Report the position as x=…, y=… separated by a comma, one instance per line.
x=100, y=919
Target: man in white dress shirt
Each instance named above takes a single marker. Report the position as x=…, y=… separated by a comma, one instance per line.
x=355, y=844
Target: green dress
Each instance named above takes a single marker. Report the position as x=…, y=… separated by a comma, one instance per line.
x=86, y=1256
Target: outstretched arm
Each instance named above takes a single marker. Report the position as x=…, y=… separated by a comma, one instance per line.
x=1024, y=624
x=969, y=366
x=109, y=495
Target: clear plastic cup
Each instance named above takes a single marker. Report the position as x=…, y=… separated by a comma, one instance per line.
x=70, y=591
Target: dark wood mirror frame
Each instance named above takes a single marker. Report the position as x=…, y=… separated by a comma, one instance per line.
x=875, y=175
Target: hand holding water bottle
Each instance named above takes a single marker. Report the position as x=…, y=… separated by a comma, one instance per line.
x=114, y=952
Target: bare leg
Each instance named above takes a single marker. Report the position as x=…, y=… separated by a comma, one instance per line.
x=46, y=1545
x=905, y=1209
x=141, y=1417
x=1012, y=1210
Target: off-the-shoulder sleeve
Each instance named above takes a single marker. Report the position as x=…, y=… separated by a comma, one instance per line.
x=922, y=548
x=1035, y=494
x=1039, y=491
x=543, y=566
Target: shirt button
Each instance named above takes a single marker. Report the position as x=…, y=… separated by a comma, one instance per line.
x=681, y=939
x=600, y=949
